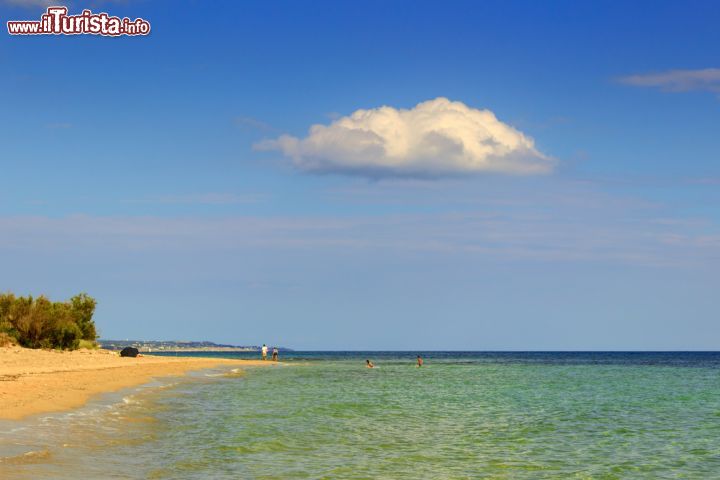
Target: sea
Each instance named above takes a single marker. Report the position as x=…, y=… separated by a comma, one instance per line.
x=324, y=415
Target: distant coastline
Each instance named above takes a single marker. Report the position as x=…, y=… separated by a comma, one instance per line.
x=149, y=346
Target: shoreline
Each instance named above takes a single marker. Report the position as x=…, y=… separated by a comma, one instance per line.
x=46, y=381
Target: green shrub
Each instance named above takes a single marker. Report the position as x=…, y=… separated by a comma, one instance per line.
x=66, y=336
x=40, y=323
x=89, y=344
x=83, y=308
x=6, y=340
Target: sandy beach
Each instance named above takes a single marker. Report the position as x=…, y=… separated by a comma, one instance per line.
x=42, y=381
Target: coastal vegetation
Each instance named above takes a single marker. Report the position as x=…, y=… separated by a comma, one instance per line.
x=37, y=322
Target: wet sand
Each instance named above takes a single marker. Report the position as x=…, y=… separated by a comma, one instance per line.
x=42, y=381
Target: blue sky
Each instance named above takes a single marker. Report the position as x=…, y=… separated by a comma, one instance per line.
x=150, y=172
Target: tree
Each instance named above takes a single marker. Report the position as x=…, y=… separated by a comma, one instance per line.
x=83, y=308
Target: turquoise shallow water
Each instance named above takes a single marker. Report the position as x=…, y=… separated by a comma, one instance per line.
x=461, y=416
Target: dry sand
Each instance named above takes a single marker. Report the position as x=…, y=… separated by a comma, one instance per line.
x=41, y=381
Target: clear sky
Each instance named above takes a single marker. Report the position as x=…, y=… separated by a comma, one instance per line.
x=545, y=175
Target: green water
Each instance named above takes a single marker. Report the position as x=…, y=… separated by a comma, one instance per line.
x=337, y=419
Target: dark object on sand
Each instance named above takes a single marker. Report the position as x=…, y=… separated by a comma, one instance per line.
x=129, y=352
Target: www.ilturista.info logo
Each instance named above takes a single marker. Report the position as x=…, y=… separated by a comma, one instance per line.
x=56, y=21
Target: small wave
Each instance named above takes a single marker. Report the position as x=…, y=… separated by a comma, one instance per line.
x=130, y=400
x=235, y=372
x=167, y=385
x=33, y=456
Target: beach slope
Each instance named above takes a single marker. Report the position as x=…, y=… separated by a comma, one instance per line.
x=42, y=381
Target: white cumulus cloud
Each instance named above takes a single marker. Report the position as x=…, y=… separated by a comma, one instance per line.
x=436, y=137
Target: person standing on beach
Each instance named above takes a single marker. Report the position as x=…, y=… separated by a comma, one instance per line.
x=275, y=354
x=419, y=361
x=264, y=352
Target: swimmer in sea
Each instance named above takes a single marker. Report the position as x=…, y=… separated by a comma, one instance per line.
x=369, y=364
x=419, y=361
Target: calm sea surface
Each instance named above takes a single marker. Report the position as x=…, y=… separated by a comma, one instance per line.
x=463, y=415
